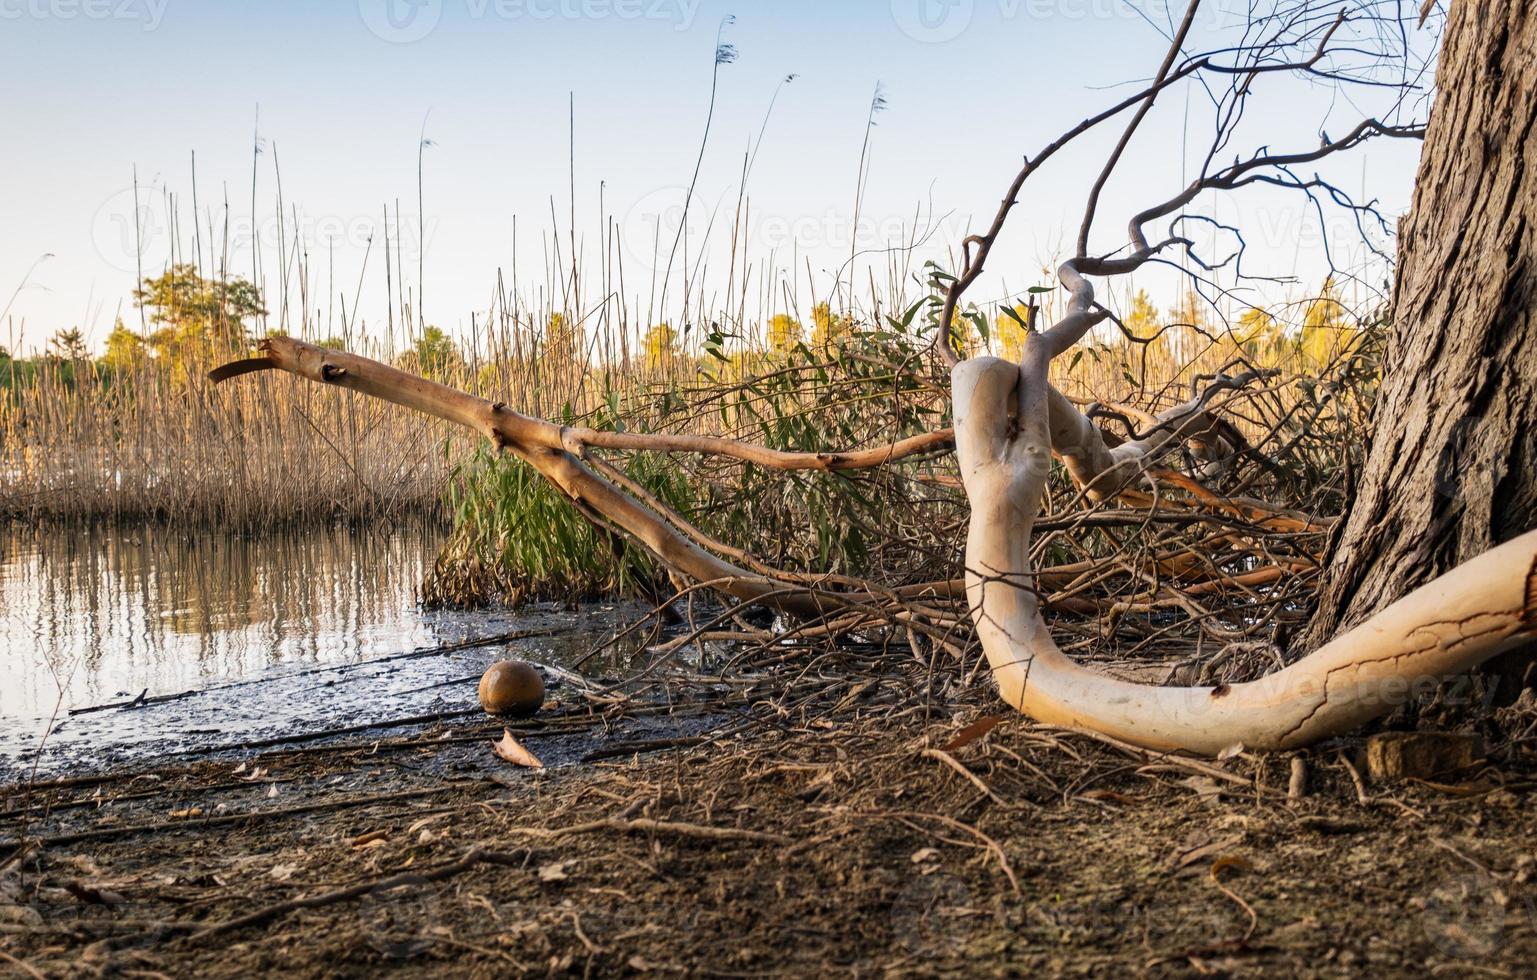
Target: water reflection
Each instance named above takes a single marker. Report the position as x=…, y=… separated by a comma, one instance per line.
x=102, y=613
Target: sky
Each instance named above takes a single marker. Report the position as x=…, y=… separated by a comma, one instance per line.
x=513, y=104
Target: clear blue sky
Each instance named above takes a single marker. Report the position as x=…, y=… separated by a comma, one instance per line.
x=97, y=88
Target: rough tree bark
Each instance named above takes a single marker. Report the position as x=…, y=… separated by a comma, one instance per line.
x=1452, y=468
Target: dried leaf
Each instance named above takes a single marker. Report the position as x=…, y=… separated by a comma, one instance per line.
x=187, y=814
x=1235, y=862
x=282, y=872
x=513, y=751
x=1208, y=789
x=373, y=836
x=426, y=821
x=973, y=731
x=925, y=854
x=1206, y=850
x=554, y=872
x=1110, y=796
x=93, y=894
x=1236, y=749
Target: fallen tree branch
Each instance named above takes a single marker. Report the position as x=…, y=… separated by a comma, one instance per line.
x=1004, y=416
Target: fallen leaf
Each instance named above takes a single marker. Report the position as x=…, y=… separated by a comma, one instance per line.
x=925, y=854
x=1110, y=796
x=425, y=821
x=1331, y=825
x=93, y=894
x=853, y=695
x=1208, y=789
x=272, y=791
x=1206, y=850
x=554, y=872
x=187, y=814
x=1236, y=749
x=282, y=872
x=1236, y=862
x=513, y=751
x=363, y=840
x=973, y=731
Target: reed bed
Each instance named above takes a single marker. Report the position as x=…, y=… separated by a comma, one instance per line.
x=89, y=441
x=751, y=352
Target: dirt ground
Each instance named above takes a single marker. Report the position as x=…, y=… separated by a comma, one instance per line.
x=834, y=827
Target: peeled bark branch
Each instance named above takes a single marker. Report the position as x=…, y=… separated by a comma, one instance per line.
x=1004, y=422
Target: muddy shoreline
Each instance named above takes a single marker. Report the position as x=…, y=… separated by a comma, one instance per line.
x=840, y=815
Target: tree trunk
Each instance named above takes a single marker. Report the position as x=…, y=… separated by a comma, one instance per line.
x=1452, y=468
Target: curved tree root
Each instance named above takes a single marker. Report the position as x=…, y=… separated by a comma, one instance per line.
x=1004, y=422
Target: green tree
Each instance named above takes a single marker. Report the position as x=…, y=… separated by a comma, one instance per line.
x=68, y=345
x=1009, y=330
x=125, y=349
x=434, y=355
x=784, y=332
x=1142, y=321
x=1191, y=326
x=195, y=309
x=1258, y=334
x=562, y=340
x=827, y=327
x=661, y=346
x=1325, y=327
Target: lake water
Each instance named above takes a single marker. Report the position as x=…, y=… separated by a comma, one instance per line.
x=89, y=616
x=238, y=639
